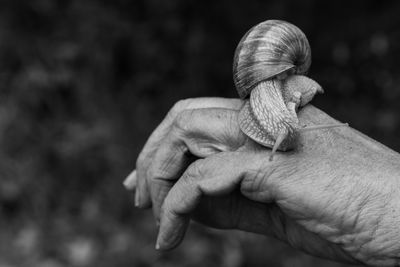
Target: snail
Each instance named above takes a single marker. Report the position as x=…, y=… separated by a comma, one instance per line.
x=269, y=69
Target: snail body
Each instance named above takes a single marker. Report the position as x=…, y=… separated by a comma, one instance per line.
x=268, y=70
x=272, y=110
x=256, y=116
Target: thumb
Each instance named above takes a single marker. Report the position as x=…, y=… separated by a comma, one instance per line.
x=214, y=176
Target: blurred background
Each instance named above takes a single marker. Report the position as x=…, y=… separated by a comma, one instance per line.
x=83, y=84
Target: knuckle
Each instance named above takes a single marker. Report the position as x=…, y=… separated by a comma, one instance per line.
x=152, y=172
x=183, y=120
x=196, y=170
x=204, y=168
x=162, y=167
x=156, y=172
x=180, y=106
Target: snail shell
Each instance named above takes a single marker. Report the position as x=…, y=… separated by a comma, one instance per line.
x=268, y=65
x=268, y=49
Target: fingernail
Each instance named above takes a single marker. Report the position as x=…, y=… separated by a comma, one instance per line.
x=158, y=242
x=137, y=198
x=130, y=181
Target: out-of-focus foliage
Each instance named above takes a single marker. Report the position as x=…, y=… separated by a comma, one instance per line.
x=83, y=83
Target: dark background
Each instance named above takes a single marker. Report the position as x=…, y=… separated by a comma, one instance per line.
x=83, y=83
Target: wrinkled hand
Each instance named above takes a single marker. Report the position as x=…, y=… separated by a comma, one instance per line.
x=335, y=196
x=192, y=129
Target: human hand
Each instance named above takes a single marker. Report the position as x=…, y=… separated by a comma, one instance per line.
x=325, y=197
x=193, y=128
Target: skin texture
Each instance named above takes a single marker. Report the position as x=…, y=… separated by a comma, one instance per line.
x=336, y=195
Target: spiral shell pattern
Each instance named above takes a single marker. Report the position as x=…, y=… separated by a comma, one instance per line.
x=267, y=50
x=268, y=70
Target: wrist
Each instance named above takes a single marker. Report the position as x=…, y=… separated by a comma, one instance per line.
x=377, y=238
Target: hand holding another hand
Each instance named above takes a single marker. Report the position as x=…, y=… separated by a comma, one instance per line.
x=335, y=196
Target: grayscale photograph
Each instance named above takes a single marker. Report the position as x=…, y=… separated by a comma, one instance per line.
x=186, y=133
